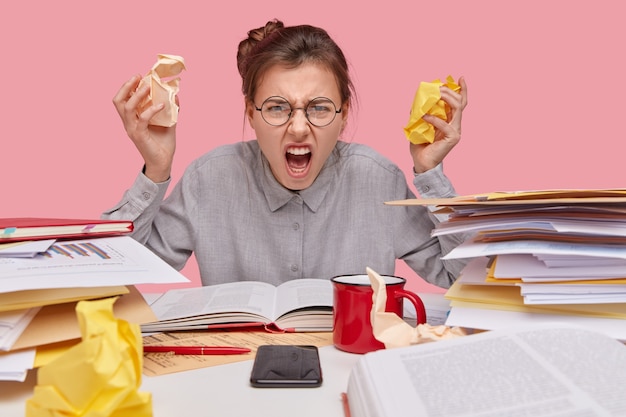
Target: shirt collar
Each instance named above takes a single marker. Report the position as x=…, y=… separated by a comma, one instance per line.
x=277, y=195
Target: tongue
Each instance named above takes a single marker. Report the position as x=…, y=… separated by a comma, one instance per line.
x=298, y=161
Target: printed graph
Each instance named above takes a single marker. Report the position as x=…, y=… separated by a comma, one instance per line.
x=76, y=250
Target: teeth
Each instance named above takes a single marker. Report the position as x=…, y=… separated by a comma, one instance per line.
x=298, y=151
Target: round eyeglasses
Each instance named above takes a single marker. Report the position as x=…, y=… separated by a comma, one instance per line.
x=277, y=111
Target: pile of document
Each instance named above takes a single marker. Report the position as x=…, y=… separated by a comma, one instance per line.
x=46, y=267
x=557, y=255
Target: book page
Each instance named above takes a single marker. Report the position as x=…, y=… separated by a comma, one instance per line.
x=534, y=372
x=300, y=293
x=244, y=296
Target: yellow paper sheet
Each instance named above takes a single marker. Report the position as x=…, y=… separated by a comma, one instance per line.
x=551, y=194
x=99, y=376
x=547, y=197
x=48, y=353
x=509, y=297
x=427, y=101
x=164, y=85
x=58, y=322
x=18, y=300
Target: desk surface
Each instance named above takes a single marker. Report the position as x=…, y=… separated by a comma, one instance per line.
x=224, y=391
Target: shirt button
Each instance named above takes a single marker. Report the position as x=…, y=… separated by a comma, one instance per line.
x=296, y=226
x=146, y=195
x=294, y=268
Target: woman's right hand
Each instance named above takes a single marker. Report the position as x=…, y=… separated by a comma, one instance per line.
x=156, y=144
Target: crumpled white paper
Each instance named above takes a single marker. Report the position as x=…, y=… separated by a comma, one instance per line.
x=163, y=82
x=392, y=330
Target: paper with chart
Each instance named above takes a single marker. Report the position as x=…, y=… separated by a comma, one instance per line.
x=87, y=263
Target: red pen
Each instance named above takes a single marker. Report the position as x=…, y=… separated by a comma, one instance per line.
x=198, y=350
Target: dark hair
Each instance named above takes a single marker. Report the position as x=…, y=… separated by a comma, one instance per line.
x=291, y=47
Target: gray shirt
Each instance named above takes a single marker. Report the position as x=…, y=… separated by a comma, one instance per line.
x=241, y=224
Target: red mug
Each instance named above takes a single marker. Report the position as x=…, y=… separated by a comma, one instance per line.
x=352, y=305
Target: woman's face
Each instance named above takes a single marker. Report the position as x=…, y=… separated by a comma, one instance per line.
x=297, y=150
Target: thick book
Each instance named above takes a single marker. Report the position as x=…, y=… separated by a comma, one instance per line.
x=301, y=305
x=546, y=370
x=20, y=229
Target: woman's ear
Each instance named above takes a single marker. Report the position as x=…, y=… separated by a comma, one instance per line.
x=250, y=109
x=345, y=111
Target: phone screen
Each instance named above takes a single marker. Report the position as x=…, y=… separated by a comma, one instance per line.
x=286, y=366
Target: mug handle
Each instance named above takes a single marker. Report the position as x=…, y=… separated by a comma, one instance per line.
x=420, y=310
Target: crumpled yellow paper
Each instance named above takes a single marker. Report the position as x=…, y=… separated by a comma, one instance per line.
x=99, y=376
x=427, y=101
x=163, y=89
x=392, y=330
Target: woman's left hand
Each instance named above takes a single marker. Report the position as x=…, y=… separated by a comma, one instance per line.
x=447, y=132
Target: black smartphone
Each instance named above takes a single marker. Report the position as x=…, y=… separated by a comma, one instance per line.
x=286, y=366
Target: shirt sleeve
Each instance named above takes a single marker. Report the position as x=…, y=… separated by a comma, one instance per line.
x=425, y=259
x=140, y=204
x=434, y=184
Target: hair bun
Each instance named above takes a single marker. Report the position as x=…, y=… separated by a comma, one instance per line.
x=258, y=34
x=254, y=37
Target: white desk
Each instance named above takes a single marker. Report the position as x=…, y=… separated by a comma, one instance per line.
x=223, y=391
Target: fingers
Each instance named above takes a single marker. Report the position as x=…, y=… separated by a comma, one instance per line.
x=446, y=130
x=435, y=121
x=125, y=92
x=148, y=113
x=456, y=102
x=133, y=102
x=463, y=91
x=129, y=104
x=454, y=99
x=130, y=96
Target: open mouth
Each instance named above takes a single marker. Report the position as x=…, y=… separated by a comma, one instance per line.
x=298, y=158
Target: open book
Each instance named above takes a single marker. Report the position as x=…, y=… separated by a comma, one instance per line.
x=546, y=370
x=298, y=305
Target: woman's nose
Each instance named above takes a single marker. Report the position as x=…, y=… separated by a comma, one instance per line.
x=298, y=123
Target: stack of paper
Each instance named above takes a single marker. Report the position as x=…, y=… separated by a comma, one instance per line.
x=552, y=254
x=41, y=281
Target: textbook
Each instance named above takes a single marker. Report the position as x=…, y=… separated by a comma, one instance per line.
x=301, y=305
x=20, y=229
x=540, y=371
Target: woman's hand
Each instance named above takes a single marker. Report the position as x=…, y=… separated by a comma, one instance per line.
x=447, y=132
x=156, y=144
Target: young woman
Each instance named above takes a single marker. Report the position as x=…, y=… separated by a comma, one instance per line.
x=297, y=202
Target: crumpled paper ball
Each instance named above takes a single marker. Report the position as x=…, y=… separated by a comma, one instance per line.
x=392, y=330
x=99, y=376
x=164, y=85
x=427, y=101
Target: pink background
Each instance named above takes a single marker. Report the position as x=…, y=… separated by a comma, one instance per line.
x=545, y=83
